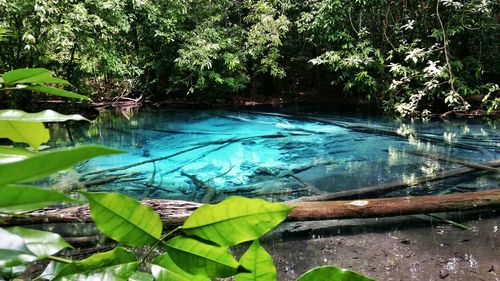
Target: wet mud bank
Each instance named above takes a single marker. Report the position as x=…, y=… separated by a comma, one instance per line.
x=402, y=248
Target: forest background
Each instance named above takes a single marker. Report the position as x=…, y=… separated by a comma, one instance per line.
x=410, y=57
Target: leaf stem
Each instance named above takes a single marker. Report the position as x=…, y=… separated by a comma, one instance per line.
x=150, y=250
x=59, y=259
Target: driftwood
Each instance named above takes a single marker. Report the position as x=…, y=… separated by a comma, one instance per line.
x=454, y=160
x=393, y=186
x=173, y=212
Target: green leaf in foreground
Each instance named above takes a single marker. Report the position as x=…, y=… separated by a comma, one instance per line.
x=13, y=154
x=55, y=92
x=117, y=264
x=141, y=276
x=46, y=163
x=30, y=76
x=198, y=258
x=124, y=219
x=42, y=116
x=40, y=243
x=165, y=269
x=332, y=273
x=22, y=198
x=32, y=133
x=259, y=262
x=13, y=250
x=235, y=220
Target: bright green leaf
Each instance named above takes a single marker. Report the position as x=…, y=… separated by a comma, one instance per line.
x=52, y=269
x=117, y=264
x=165, y=269
x=140, y=276
x=13, y=154
x=10, y=273
x=31, y=76
x=22, y=198
x=235, y=220
x=332, y=273
x=13, y=250
x=32, y=133
x=198, y=258
x=46, y=163
x=259, y=262
x=40, y=243
x=54, y=91
x=42, y=116
x=124, y=219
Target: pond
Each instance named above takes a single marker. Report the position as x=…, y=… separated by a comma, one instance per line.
x=207, y=155
x=275, y=155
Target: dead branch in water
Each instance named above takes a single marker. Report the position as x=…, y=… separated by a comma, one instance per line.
x=476, y=166
x=393, y=186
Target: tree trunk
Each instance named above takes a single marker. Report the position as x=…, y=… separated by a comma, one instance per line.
x=173, y=212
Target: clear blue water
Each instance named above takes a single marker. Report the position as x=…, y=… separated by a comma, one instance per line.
x=233, y=150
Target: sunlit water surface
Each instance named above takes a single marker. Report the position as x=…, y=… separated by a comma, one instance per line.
x=231, y=150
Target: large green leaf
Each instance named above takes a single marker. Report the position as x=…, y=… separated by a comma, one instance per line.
x=235, y=220
x=198, y=258
x=42, y=116
x=40, y=243
x=13, y=154
x=31, y=76
x=124, y=219
x=22, y=198
x=54, y=91
x=46, y=163
x=332, y=273
x=117, y=264
x=140, y=276
x=32, y=133
x=13, y=250
x=259, y=262
x=165, y=269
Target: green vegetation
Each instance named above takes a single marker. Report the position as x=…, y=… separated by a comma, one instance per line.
x=198, y=251
x=414, y=58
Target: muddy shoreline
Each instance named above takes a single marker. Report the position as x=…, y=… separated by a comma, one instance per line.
x=405, y=248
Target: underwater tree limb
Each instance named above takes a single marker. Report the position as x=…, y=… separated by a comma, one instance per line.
x=210, y=191
x=395, y=185
x=198, y=146
x=434, y=156
x=175, y=212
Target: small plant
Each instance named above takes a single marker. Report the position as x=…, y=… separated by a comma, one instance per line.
x=197, y=250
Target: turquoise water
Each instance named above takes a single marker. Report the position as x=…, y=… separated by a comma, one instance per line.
x=250, y=153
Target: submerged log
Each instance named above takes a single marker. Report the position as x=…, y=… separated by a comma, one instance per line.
x=210, y=191
x=395, y=185
x=174, y=212
x=434, y=156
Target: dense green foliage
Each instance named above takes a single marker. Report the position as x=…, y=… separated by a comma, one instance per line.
x=413, y=57
x=200, y=251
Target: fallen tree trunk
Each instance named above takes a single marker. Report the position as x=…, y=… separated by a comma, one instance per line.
x=173, y=212
x=383, y=207
x=393, y=186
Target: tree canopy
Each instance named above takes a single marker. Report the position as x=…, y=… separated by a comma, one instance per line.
x=413, y=57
